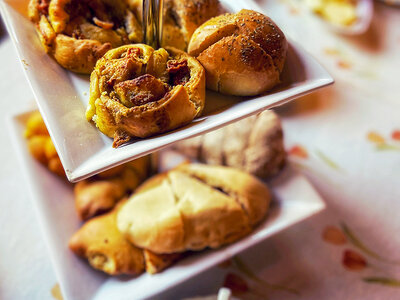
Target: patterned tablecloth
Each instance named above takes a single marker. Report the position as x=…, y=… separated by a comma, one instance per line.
x=346, y=139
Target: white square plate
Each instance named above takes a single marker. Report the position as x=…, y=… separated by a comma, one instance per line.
x=294, y=199
x=62, y=97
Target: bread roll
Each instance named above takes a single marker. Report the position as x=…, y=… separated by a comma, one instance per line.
x=77, y=33
x=254, y=145
x=243, y=53
x=136, y=91
x=193, y=207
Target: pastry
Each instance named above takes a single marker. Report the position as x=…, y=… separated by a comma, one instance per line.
x=254, y=145
x=181, y=19
x=106, y=249
x=193, y=207
x=243, y=53
x=77, y=33
x=136, y=91
x=102, y=192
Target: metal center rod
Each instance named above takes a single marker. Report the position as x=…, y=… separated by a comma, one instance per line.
x=152, y=22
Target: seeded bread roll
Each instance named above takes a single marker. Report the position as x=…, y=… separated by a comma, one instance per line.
x=243, y=53
x=193, y=207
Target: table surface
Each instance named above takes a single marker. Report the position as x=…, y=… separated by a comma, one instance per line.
x=345, y=139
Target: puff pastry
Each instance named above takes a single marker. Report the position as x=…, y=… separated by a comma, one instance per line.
x=136, y=91
x=78, y=32
x=193, y=207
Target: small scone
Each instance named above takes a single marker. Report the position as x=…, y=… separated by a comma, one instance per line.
x=243, y=53
x=254, y=145
x=193, y=207
x=78, y=32
x=136, y=91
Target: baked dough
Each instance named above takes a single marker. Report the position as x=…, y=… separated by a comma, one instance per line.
x=78, y=32
x=105, y=247
x=102, y=192
x=193, y=207
x=243, y=53
x=254, y=145
x=136, y=91
x=181, y=19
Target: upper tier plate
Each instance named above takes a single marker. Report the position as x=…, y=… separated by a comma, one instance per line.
x=62, y=97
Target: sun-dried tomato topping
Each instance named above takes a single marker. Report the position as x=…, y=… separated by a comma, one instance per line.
x=179, y=72
x=43, y=7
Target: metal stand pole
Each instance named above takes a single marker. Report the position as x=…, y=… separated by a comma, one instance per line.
x=152, y=22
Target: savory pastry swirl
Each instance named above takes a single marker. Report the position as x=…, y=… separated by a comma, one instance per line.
x=136, y=91
x=78, y=32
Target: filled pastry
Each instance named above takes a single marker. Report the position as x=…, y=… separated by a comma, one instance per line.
x=193, y=207
x=136, y=91
x=78, y=32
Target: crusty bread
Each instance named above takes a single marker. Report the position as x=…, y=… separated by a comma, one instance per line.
x=254, y=145
x=193, y=207
x=134, y=91
x=243, y=53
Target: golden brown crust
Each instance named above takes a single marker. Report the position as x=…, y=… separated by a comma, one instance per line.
x=106, y=249
x=193, y=207
x=134, y=92
x=243, y=53
x=155, y=263
x=77, y=33
x=101, y=193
